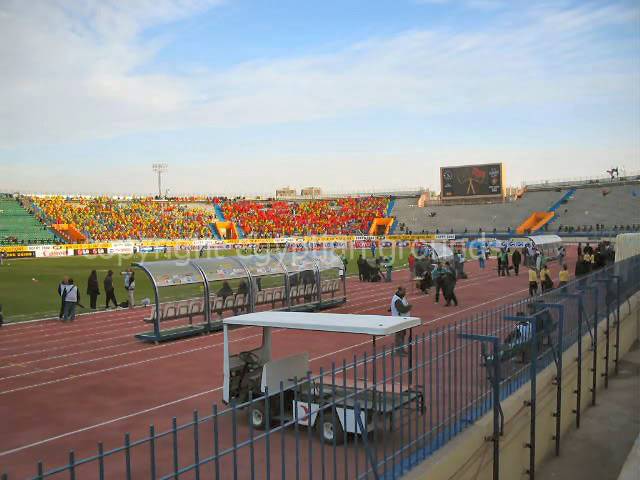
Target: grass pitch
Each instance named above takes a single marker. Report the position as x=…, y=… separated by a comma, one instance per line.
x=28, y=287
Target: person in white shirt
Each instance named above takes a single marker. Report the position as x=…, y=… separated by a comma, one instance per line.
x=70, y=297
x=130, y=286
x=400, y=307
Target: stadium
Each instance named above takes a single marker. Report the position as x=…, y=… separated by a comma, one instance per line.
x=185, y=251
x=211, y=266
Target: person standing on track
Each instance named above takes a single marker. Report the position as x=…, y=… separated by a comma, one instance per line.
x=360, y=262
x=437, y=277
x=533, y=281
x=131, y=289
x=562, y=252
x=545, y=279
x=412, y=264
x=70, y=298
x=449, y=285
x=563, y=276
x=481, y=256
x=400, y=307
x=61, y=286
x=109, y=290
x=516, y=259
x=93, y=290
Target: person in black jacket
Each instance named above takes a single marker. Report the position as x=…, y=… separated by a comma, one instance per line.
x=449, y=285
x=93, y=289
x=360, y=263
x=516, y=259
x=109, y=291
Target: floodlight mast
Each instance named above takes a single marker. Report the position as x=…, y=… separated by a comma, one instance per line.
x=160, y=168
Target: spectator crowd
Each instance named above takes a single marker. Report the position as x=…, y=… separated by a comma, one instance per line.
x=104, y=218
x=343, y=216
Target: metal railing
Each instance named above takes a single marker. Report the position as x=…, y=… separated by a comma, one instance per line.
x=624, y=176
x=410, y=401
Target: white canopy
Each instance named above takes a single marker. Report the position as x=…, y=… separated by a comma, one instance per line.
x=542, y=240
x=327, y=322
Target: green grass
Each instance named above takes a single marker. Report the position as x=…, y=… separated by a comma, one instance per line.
x=28, y=287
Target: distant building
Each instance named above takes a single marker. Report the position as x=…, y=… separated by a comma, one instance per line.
x=312, y=192
x=285, y=192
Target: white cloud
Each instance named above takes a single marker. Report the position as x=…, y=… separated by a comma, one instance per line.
x=71, y=72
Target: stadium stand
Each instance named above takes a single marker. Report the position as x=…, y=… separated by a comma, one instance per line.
x=281, y=218
x=103, y=218
x=601, y=208
x=470, y=217
x=108, y=219
x=19, y=226
x=582, y=208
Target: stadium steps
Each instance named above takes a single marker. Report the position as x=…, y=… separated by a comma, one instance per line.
x=214, y=231
x=219, y=212
x=394, y=226
x=18, y=223
x=604, y=204
x=565, y=198
x=500, y=216
x=390, y=205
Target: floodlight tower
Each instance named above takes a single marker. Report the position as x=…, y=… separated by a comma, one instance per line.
x=160, y=168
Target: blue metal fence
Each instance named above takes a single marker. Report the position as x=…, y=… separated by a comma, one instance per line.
x=409, y=405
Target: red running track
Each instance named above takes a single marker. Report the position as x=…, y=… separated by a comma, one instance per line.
x=69, y=386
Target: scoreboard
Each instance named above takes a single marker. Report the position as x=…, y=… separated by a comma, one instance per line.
x=472, y=181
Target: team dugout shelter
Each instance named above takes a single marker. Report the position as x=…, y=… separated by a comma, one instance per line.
x=193, y=297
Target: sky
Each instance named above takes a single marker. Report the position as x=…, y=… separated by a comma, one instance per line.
x=243, y=97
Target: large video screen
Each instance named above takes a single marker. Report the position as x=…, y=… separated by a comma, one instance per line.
x=471, y=180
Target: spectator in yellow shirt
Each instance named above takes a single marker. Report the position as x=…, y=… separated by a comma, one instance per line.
x=564, y=275
x=533, y=282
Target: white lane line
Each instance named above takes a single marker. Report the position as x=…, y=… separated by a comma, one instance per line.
x=105, y=423
x=466, y=285
x=124, y=365
x=103, y=326
x=161, y=357
x=195, y=395
x=134, y=329
x=38, y=322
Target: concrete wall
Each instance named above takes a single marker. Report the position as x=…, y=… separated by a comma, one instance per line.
x=470, y=455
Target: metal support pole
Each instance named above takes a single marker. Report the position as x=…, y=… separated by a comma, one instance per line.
x=410, y=357
x=607, y=299
x=156, y=321
x=578, y=390
x=495, y=384
x=532, y=427
x=594, y=339
x=533, y=370
x=558, y=413
x=594, y=368
x=367, y=447
x=207, y=293
x=617, y=324
x=496, y=410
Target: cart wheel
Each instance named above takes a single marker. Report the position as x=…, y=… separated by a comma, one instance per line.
x=331, y=429
x=257, y=416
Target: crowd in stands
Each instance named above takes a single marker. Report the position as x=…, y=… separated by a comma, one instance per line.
x=280, y=218
x=104, y=218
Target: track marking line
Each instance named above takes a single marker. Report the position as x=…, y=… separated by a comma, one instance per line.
x=195, y=395
x=151, y=347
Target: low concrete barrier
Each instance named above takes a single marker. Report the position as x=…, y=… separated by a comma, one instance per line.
x=469, y=456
